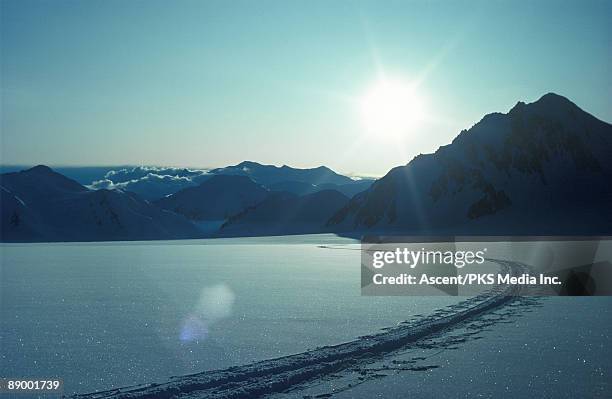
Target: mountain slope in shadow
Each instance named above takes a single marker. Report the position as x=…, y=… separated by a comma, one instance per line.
x=39, y=204
x=215, y=199
x=542, y=168
x=286, y=213
x=301, y=188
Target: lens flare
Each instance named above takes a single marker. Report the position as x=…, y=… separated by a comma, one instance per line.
x=215, y=303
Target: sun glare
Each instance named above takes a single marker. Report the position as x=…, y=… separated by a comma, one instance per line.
x=391, y=107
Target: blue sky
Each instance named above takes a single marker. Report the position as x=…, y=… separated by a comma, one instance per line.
x=211, y=83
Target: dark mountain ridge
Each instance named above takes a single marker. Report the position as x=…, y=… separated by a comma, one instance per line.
x=270, y=174
x=39, y=204
x=542, y=168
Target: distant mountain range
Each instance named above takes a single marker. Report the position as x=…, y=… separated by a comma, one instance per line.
x=154, y=182
x=294, y=180
x=270, y=174
x=542, y=168
x=41, y=205
x=150, y=182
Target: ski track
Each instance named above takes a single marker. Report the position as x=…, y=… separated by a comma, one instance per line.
x=277, y=375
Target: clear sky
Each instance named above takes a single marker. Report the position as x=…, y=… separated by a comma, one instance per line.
x=212, y=83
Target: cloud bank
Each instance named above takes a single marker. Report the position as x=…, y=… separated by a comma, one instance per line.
x=151, y=182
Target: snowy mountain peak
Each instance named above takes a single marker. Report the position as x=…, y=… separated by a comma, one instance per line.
x=40, y=169
x=504, y=174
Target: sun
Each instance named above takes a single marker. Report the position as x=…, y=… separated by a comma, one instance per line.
x=391, y=107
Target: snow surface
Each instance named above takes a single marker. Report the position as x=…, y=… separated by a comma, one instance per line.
x=278, y=375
